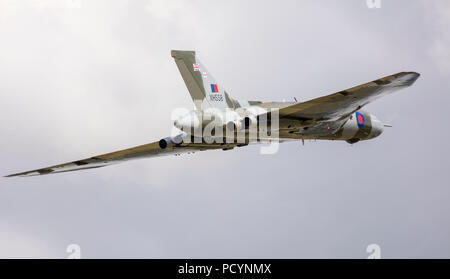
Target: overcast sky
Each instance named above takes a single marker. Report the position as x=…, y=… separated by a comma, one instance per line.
x=82, y=78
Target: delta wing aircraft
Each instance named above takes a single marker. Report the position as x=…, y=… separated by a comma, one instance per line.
x=333, y=117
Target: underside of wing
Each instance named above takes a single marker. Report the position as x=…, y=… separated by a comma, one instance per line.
x=153, y=149
x=341, y=104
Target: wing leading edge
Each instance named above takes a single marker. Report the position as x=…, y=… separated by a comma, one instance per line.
x=343, y=103
x=142, y=151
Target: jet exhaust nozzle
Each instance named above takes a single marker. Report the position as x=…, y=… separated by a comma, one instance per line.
x=170, y=141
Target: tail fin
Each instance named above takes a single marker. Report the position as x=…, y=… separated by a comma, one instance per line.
x=205, y=91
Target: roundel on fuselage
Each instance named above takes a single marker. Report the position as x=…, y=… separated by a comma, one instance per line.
x=359, y=119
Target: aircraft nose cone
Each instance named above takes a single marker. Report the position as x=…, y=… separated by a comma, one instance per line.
x=377, y=127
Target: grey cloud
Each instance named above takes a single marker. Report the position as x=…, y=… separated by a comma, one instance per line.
x=76, y=82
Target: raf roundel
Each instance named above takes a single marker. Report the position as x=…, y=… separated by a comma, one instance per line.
x=360, y=119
